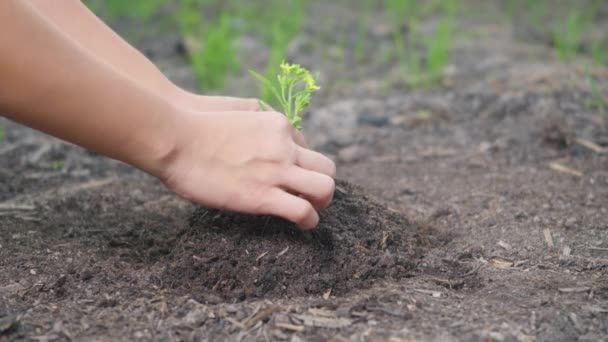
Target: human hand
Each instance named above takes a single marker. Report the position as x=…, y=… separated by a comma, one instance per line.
x=256, y=164
x=207, y=103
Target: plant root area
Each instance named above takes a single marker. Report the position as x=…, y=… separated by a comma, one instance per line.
x=476, y=210
x=357, y=242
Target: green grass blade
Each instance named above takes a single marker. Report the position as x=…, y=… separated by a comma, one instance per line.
x=268, y=85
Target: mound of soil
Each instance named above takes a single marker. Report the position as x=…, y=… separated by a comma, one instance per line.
x=236, y=256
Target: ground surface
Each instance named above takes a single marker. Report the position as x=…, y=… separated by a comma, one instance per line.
x=482, y=214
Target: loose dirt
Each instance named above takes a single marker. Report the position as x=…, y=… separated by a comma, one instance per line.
x=357, y=242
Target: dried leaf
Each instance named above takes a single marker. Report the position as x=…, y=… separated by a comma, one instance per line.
x=590, y=145
x=261, y=256
x=501, y=264
x=548, y=237
x=321, y=312
x=574, y=289
x=291, y=327
x=323, y=322
x=504, y=245
x=283, y=251
x=564, y=169
x=434, y=294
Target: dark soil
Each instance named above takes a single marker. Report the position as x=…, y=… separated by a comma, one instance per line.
x=489, y=219
x=357, y=242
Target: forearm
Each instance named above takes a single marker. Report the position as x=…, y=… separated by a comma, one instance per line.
x=80, y=24
x=50, y=83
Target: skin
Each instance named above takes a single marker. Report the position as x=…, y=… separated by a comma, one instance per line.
x=211, y=152
x=73, y=18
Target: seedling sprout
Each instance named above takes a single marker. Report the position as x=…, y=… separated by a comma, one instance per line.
x=293, y=90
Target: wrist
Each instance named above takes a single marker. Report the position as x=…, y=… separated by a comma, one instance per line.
x=174, y=94
x=154, y=146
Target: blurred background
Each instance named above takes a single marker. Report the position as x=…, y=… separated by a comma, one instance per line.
x=376, y=46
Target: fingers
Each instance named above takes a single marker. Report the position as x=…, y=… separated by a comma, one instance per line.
x=315, y=161
x=290, y=207
x=235, y=104
x=316, y=187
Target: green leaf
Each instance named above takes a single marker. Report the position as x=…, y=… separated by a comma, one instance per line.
x=295, y=88
x=263, y=106
x=267, y=84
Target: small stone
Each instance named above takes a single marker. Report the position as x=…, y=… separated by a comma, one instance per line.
x=335, y=124
x=495, y=336
x=570, y=222
x=504, y=245
x=566, y=251
x=373, y=119
x=350, y=154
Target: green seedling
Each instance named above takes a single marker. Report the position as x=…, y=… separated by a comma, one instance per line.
x=513, y=8
x=423, y=59
x=400, y=10
x=363, y=29
x=289, y=16
x=292, y=89
x=598, y=53
x=597, y=99
x=277, y=54
x=216, y=58
x=189, y=18
x=438, y=49
x=2, y=132
x=568, y=39
x=209, y=44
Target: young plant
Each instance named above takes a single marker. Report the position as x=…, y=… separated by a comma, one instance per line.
x=598, y=53
x=292, y=89
x=363, y=29
x=2, y=132
x=400, y=10
x=277, y=55
x=513, y=7
x=216, y=57
x=438, y=49
x=568, y=39
x=597, y=99
x=287, y=21
x=189, y=18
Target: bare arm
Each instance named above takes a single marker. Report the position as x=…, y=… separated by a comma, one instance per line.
x=50, y=83
x=75, y=20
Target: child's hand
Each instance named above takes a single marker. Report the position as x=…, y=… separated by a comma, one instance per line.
x=249, y=163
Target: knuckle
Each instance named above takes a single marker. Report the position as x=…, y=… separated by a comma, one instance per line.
x=276, y=172
x=283, y=151
x=263, y=201
x=282, y=156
